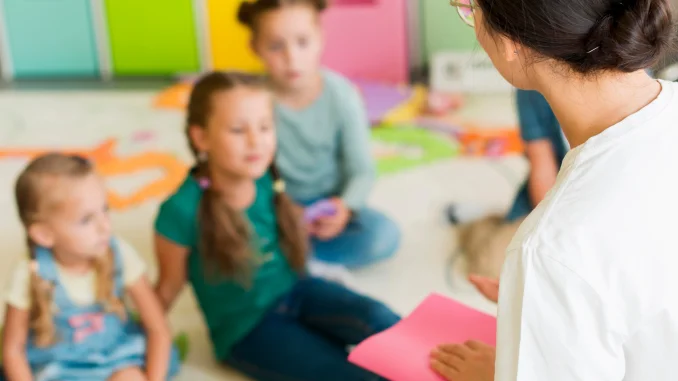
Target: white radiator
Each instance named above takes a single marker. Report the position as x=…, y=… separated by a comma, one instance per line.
x=468, y=72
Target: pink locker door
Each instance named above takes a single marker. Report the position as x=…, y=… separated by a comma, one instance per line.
x=367, y=39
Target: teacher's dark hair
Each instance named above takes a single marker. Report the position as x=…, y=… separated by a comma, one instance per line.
x=588, y=35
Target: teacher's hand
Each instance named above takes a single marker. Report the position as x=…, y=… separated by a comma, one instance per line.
x=472, y=361
x=489, y=287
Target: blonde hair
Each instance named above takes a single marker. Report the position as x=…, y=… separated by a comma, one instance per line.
x=34, y=199
x=225, y=236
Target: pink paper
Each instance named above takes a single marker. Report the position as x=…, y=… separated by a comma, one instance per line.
x=402, y=353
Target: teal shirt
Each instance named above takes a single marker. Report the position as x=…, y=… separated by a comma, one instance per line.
x=324, y=149
x=230, y=310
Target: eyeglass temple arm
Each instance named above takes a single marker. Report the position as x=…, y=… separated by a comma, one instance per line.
x=458, y=4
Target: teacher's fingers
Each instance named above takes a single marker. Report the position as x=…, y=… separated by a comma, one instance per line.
x=448, y=373
x=448, y=357
x=483, y=281
x=489, y=287
x=459, y=350
x=476, y=345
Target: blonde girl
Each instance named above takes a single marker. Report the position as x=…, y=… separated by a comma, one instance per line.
x=65, y=317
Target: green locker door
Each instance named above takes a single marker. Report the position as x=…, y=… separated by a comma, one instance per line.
x=443, y=29
x=152, y=37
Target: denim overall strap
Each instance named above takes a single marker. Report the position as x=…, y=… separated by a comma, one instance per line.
x=119, y=268
x=47, y=270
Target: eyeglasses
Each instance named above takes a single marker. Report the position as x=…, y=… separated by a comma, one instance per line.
x=465, y=9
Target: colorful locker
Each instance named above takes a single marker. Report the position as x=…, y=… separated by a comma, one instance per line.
x=49, y=38
x=229, y=41
x=374, y=47
x=152, y=37
x=367, y=39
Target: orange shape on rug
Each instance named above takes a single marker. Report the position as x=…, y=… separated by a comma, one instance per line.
x=174, y=97
x=109, y=164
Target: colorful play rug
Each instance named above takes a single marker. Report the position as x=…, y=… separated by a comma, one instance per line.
x=398, y=148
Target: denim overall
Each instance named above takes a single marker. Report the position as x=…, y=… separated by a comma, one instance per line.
x=91, y=344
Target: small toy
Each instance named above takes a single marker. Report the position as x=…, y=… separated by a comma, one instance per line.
x=439, y=103
x=322, y=208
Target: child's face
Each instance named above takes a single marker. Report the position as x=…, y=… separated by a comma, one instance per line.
x=289, y=42
x=239, y=137
x=78, y=225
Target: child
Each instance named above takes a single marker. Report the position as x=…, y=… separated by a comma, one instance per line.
x=484, y=240
x=232, y=232
x=323, y=133
x=65, y=316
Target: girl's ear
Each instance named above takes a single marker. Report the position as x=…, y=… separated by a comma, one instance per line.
x=41, y=234
x=198, y=136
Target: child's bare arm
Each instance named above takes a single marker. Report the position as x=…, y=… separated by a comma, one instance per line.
x=172, y=263
x=15, y=335
x=543, y=169
x=156, y=327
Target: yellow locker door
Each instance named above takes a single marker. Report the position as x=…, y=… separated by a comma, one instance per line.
x=230, y=41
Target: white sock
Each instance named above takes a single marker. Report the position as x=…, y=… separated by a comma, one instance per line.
x=463, y=213
x=331, y=272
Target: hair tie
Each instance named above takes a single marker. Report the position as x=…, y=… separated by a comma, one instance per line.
x=204, y=183
x=279, y=186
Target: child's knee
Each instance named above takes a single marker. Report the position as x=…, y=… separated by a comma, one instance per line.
x=129, y=374
x=380, y=317
x=386, y=237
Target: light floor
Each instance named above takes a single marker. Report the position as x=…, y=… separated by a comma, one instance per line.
x=415, y=199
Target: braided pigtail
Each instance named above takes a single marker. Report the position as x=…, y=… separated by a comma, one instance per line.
x=42, y=304
x=293, y=236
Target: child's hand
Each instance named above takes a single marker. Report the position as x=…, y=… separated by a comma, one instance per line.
x=14, y=338
x=156, y=326
x=328, y=227
x=489, y=287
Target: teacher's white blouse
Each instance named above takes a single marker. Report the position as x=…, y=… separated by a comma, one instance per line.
x=589, y=290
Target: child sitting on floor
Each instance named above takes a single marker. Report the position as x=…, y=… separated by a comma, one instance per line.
x=323, y=133
x=233, y=233
x=484, y=239
x=65, y=317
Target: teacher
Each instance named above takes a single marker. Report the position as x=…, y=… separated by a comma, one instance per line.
x=589, y=288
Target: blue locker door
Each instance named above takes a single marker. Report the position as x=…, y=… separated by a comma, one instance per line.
x=51, y=38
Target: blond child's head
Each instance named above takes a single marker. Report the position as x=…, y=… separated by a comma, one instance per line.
x=62, y=205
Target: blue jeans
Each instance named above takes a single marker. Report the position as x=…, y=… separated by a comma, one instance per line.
x=305, y=337
x=368, y=238
x=522, y=205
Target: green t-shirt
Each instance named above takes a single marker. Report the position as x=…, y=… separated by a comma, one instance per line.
x=231, y=310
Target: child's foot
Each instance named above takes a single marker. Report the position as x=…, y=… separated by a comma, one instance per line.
x=331, y=272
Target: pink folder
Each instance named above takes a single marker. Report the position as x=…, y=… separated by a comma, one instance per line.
x=402, y=352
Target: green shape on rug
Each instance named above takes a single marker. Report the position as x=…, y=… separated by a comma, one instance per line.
x=181, y=342
x=397, y=148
